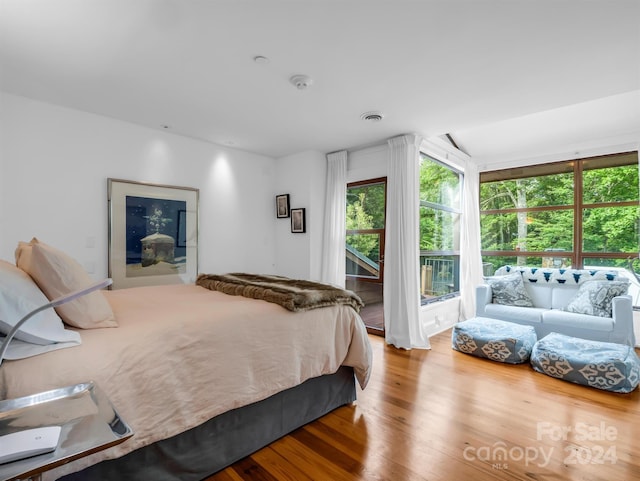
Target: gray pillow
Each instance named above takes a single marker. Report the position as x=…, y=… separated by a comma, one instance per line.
x=595, y=297
x=509, y=290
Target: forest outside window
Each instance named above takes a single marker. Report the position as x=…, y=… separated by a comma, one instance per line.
x=440, y=212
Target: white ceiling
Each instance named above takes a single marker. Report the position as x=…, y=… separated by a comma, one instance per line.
x=508, y=80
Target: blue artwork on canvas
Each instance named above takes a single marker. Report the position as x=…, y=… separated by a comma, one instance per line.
x=155, y=236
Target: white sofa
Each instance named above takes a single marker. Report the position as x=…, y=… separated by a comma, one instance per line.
x=552, y=292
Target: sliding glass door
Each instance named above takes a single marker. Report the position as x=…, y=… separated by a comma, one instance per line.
x=366, y=204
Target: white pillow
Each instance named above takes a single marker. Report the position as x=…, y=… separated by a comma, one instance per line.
x=20, y=350
x=19, y=295
x=58, y=274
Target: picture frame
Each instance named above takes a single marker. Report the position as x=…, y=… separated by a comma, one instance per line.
x=282, y=206
x=298, y=221
x=153, y=233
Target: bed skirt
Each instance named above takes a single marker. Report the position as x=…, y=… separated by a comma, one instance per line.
x=229, y=437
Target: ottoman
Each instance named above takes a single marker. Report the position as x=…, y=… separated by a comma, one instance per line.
x=493, y=339
x=603, y=365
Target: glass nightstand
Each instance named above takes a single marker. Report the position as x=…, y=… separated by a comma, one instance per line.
x=88, y=420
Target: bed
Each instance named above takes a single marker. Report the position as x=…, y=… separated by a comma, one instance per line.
x=204, y=378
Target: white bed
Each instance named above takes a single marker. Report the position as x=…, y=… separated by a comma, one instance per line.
x=183, y=355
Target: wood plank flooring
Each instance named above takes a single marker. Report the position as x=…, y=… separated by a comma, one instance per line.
x=373, y=317
x=443, y=415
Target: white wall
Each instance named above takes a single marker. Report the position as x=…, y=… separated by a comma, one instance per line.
x=54, y=165
x=368, y=163
x=303, y=177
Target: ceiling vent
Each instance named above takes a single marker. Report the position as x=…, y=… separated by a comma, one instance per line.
x=372, y=116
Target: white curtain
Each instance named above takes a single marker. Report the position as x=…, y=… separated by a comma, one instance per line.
x=402, y=251
x=334, y=235
x=470, y=258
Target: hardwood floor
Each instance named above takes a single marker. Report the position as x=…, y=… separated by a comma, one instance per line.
x=444, y=415
x=373, y=317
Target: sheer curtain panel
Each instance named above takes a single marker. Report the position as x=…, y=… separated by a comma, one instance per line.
x=402, y=251
x=470, y=256
x=334, y=235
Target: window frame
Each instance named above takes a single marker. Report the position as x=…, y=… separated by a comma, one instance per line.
x=577, y=166
x=380, y=232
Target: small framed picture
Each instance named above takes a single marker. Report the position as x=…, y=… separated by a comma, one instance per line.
x=282, y=206
x=298, y=221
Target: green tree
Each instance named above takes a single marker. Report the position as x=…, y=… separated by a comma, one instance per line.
x=610, y=229
x=359, y=219
x=365, y=210
x=439, y=187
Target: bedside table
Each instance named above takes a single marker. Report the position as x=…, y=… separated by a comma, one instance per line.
x=88, y=421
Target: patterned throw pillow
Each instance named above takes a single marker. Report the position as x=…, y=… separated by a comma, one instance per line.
x=509, y=290
x=595, y=297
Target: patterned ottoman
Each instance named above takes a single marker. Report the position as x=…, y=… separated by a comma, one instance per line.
x=493, y=339
x=603, y=365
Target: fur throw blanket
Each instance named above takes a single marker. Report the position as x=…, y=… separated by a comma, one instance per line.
x=292, y=294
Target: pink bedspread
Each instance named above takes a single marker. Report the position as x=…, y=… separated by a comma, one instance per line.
x=183, y=354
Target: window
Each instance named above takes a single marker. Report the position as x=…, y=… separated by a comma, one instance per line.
x=440, y=211
x=579, y=213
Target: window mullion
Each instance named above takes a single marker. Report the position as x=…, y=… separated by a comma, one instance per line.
x=578, y=260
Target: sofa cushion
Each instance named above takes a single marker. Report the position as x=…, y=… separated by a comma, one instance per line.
x=509, y=290
x=557, y=317
x=561, y=295
x=595, y=297
x=541, y=297
x=528, y=315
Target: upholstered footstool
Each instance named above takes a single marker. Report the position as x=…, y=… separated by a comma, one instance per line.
x=603, y=365
x=494, y=339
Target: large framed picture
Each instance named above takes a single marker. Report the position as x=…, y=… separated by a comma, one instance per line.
x=153, y=234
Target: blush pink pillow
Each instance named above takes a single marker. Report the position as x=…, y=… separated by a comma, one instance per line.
x=57, y=274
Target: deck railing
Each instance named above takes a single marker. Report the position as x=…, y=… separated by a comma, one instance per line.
x=438, y=276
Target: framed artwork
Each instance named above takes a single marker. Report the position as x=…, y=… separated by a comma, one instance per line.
x=282, y=206
x=153, y=234
x=298, y=221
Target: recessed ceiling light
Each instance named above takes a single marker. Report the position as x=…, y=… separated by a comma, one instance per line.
x=260, y=59
x=372, y=116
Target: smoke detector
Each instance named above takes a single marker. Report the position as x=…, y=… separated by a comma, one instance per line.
x=301, y=82
x=372, y=116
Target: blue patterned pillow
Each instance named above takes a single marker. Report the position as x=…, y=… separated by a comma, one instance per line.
x=509, y=290
x=595, y=297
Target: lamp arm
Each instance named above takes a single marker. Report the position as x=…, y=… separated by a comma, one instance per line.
x=54, y=303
